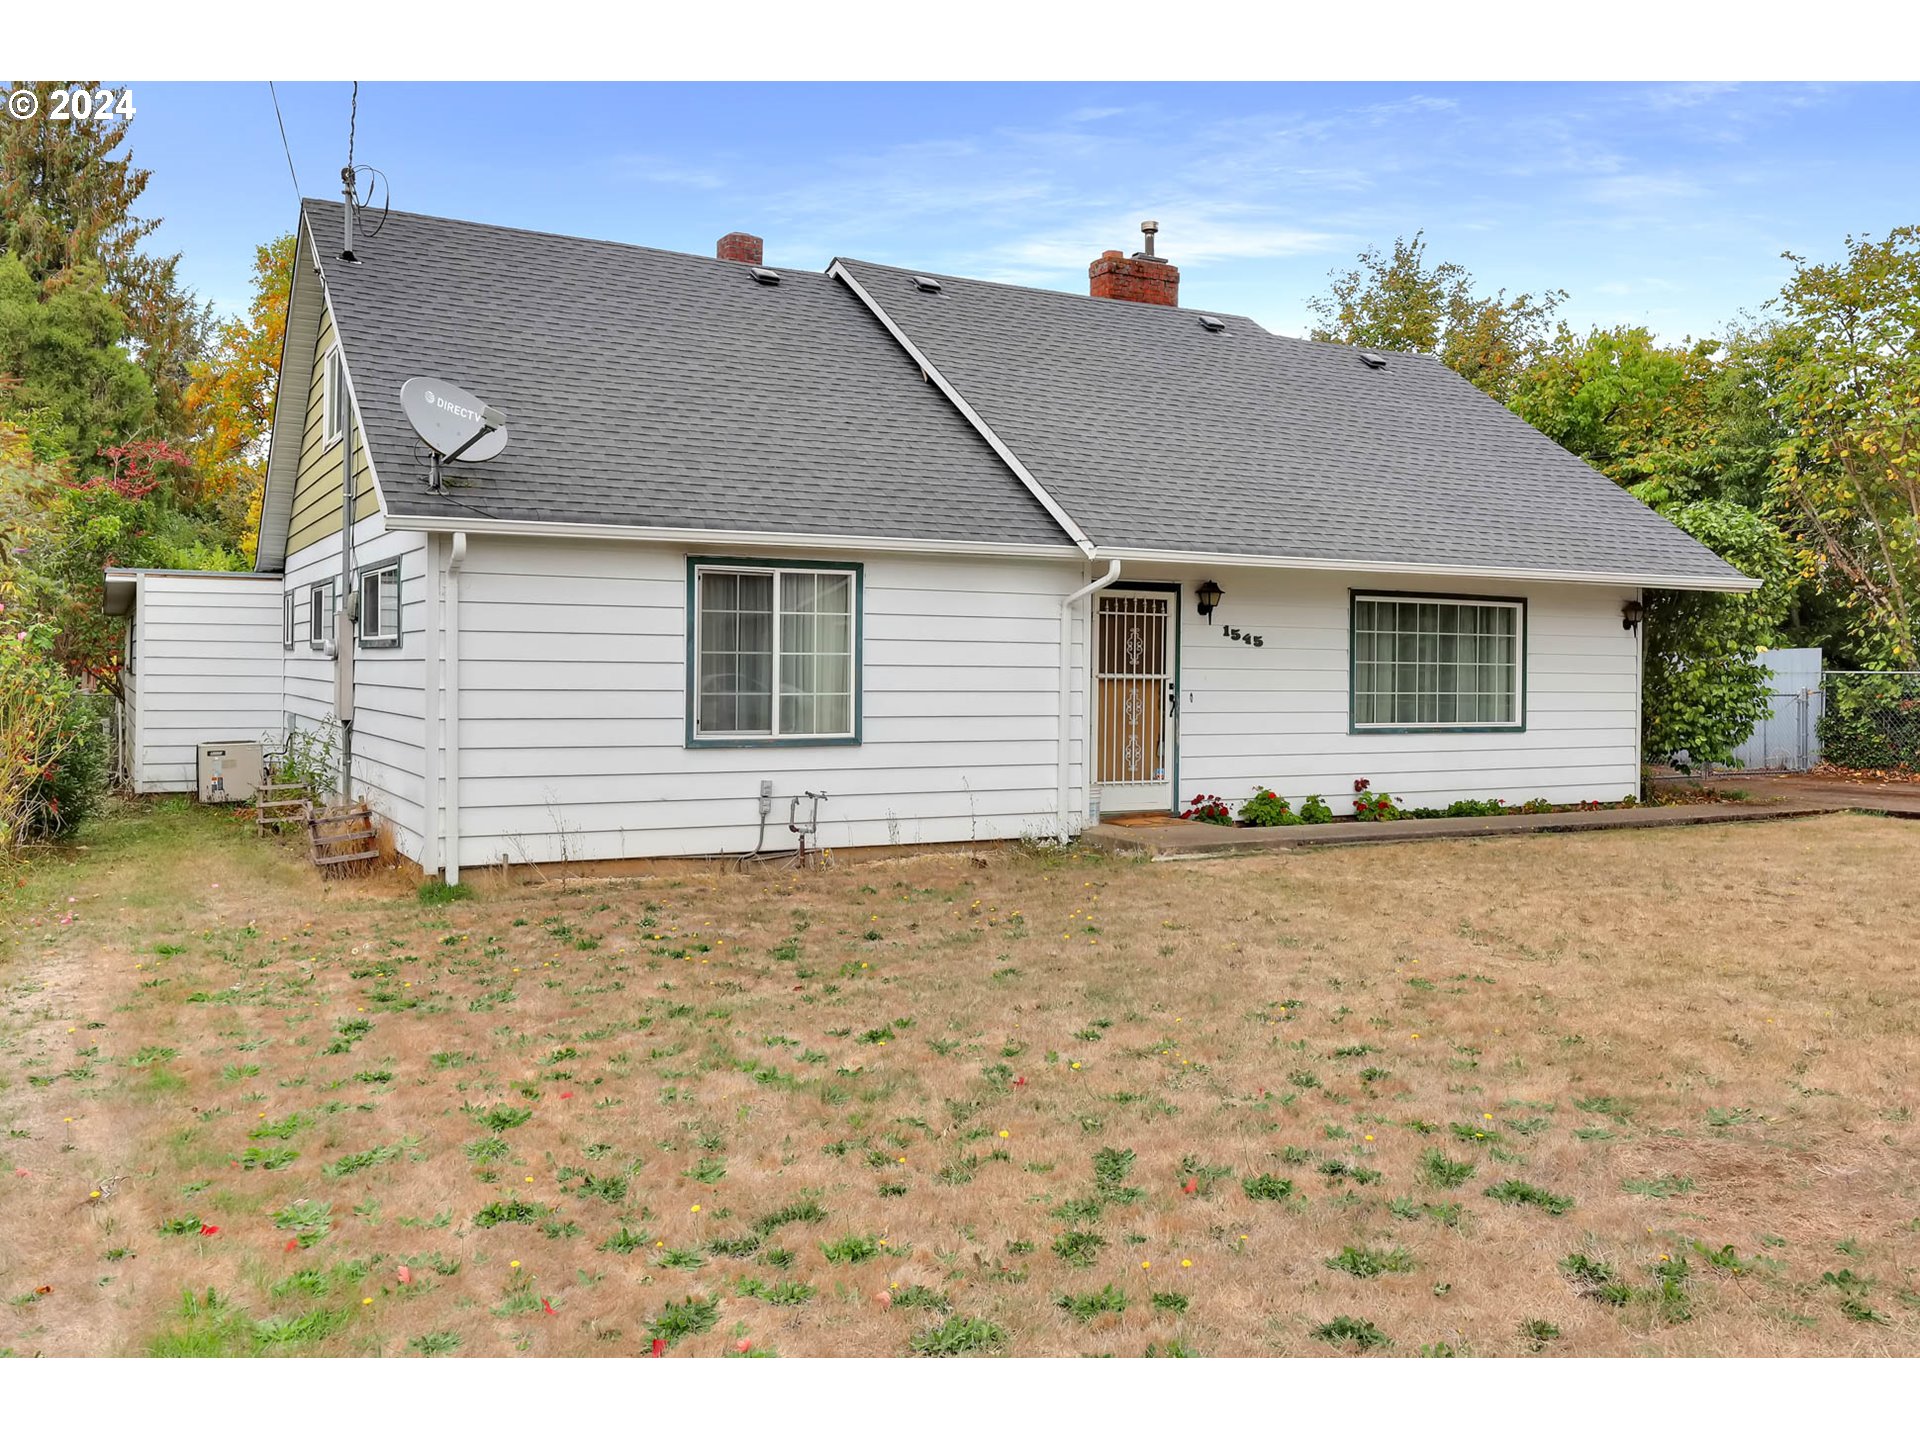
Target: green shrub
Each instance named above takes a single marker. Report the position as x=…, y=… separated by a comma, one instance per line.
x=53, y=751
x=1267, y=808
x=1315, y=811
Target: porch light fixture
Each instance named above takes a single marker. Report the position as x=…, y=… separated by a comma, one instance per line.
x=1631, y=614
x=1208, y=596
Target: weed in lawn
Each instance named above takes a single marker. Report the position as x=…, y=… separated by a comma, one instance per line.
x=367, y=1159
x=1107, y=1300
x=1518, y=1192
x=958, y=1335
x=678, y=1319
x=1661, y=1187
x=1266, y=1187
x=1344, y=1330
x=1078, y=1248
x=921, y=1297
x=512, y=1211
x=1366, y=1264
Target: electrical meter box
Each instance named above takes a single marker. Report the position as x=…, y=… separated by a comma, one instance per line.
x=229, y=771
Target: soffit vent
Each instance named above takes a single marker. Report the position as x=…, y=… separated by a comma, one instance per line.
x=766, y=276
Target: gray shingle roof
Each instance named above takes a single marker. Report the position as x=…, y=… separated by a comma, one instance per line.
x=650, y=388
x=1154, y=433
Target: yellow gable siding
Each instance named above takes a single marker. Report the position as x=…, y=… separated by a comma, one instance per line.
x=316, y=490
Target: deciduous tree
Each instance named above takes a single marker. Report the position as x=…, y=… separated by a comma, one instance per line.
x=229, y=402
x=1400, y=302
x=1847, y=383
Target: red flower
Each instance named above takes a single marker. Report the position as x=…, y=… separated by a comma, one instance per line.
x=1360, y=785
x=209, y=1229
x=659, y=1348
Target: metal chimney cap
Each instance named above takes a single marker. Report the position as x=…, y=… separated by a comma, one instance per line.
x=1149, y=227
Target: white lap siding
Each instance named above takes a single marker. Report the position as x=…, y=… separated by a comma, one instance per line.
x=573, y=709
x=206, y=666
x=389, y=695
x=1277, y=715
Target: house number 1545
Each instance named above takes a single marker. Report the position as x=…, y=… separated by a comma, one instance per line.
x=1234, y=633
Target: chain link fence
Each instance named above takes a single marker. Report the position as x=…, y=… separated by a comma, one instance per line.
x=1870, y=719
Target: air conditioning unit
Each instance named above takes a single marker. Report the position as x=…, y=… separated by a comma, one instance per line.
x=229, y=771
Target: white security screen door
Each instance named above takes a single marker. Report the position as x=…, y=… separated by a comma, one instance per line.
x=1133, y=702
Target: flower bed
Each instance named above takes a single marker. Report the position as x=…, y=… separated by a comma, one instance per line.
x=1268, y=808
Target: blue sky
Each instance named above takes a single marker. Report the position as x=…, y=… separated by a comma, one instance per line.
x=1661, y=204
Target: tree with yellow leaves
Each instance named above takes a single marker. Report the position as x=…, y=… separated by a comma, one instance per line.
x=229, y=399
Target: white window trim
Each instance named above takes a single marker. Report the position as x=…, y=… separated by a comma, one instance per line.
x=1487, y=602
x=774, y=735
x=331, y=405
x=372, y=639
x=286, y=620
x=319, y=612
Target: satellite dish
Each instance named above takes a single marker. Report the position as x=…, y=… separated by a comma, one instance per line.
x=456, y=424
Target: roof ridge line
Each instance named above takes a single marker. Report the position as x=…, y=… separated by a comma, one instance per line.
x=1013, y=462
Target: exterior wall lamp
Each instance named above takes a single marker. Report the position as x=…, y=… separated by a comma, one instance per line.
x=1631, y=614
x=1208, y=597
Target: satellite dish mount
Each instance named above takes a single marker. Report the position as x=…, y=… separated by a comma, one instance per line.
x=455, y=424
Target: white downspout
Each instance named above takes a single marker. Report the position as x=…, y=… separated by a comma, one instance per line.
x=450, y=766
x=1063, y=828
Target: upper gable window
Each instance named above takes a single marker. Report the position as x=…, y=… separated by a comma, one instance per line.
x=334, y=396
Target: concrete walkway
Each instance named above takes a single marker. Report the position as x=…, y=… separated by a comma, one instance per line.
x=1190, y=840
x=1888, y=797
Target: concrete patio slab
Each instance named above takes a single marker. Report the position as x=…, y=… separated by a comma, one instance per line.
x=1191, y=840
x=1886, y=797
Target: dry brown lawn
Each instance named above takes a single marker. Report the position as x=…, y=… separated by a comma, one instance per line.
x=1377, y=1099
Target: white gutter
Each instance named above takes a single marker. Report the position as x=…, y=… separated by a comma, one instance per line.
x=1064, y=830
x=783, y=540
x=450, y=767
x=765, y=539
x=1734, y=583
x=974, y=418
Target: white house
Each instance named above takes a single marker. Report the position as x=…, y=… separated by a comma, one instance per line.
x=939, y=550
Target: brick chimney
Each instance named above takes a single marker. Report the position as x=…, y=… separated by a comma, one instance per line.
x=740, y=246
x=1144, y=277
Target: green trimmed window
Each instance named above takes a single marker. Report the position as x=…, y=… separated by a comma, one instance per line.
x=1425, y=662
x=774, y=653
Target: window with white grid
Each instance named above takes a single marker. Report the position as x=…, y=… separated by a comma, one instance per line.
x=1438, y=662
x=775, y=653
